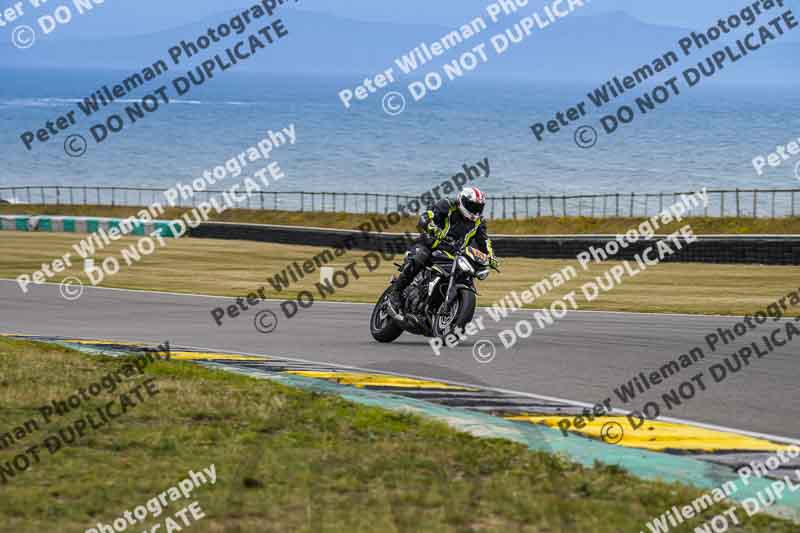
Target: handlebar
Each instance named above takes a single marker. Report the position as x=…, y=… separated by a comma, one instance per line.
x=461, y=247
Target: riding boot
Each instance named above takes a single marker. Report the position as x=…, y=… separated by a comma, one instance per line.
x=399, y=285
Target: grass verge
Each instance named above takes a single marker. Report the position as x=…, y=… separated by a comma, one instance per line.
x=235, y=268
x=531, y=226
x=289, y=460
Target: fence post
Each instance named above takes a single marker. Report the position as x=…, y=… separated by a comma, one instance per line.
x=564, y=204
x=660, y=202
x=29, y=195
x=527, y=213
x=593, y=199
x=773, y=203
x=722, y=204
x=58, y=195
x=538, y=205
x=738, y=210
x=632, y=196
x=755, y=203
x=793, y=203
x=514, y=206
x=605, y=202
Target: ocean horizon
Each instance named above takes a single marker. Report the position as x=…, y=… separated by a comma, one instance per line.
x=706, y=137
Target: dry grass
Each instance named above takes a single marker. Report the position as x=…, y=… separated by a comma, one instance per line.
x=232, y=268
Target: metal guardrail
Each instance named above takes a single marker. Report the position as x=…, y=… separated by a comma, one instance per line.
x=772, y=203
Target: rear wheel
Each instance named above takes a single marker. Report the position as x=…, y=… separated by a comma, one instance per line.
x=457, y=316
x=381, y=324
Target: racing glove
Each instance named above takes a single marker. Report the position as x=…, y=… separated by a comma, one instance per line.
x=494, y=262
x=434, y=231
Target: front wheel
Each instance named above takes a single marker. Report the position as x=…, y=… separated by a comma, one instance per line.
x=457, y=316
x=381, y=324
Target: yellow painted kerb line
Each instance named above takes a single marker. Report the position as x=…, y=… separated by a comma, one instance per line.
x=660, y=436
x=205, y=356
x=102, y=342
x=358, y=379
x=178, y=355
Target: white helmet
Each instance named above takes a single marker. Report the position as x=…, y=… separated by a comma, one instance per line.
x=471, y=202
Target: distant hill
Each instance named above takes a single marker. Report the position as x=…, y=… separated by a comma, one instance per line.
x=578, y=48
x=118, y=18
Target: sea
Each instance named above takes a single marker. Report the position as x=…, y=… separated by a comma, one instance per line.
x=706, y=137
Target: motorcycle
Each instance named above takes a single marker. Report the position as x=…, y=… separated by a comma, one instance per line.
x=440, y=299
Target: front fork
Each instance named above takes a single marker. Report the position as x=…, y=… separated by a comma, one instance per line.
x=451, y=292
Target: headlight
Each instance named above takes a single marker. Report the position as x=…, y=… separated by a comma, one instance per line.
x=463, y=264
x=482, y=274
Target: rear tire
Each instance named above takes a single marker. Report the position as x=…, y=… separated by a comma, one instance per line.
x=381, y=324
x=465, y=310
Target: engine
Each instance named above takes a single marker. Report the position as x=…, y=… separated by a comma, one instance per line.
x=416, y=295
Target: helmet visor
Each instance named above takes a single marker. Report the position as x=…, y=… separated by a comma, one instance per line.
x=474, y=208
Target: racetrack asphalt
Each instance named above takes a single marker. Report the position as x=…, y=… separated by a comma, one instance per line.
x=582, y=357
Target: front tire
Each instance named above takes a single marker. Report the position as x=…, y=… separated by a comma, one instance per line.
x=458, y=316
x=381, y=324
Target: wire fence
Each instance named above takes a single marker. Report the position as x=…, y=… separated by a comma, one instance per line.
x=772, y=203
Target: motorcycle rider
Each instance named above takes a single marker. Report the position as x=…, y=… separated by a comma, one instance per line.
x=455, y=219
